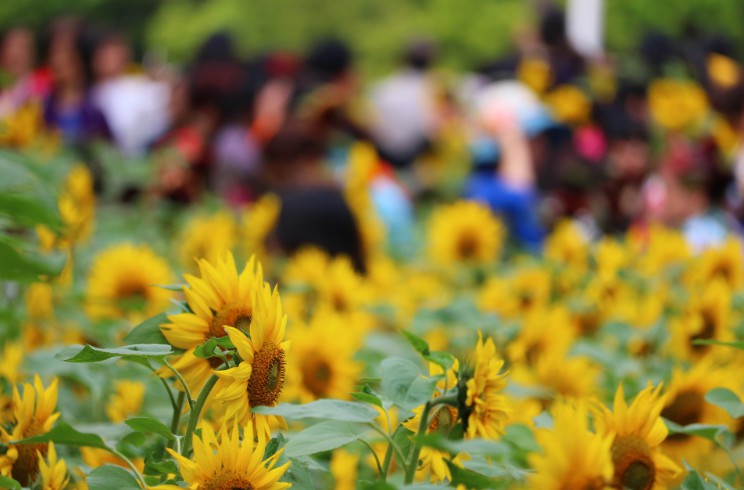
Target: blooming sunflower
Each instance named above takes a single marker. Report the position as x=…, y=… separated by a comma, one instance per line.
x=258, y=222
x=33, y=414
x=226, y=462
x=322, y=364
x=566, y=377
x=259, y=378
x=543, y=331
x=207, y=237
x=442, y=418
x=515, y=296
x=638, y=432
x=465, y=232
x=572, y=456
x=685, y=404
x=52, y=471
x=485, y=411
x=219, y=297
x=126, y=400
x=724, y=262
x=677, y=104
x=123, y=283
x=10, y=361
x=343, y=467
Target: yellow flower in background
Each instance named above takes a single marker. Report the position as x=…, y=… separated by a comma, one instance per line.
x=260, y=377
x=95, y=457
x=465, y=232
x=207, y=237
x=23, y=127
x=344, y=469
x=685, y=404
x=568, y=249
x=10, y=362
x=609, y=295
x=722, y=70
x=52, y=471
x=677, y=105
x=569, y=104
x=360, y=172
x=663, y=248
x=322, y=364
x=123, y=283
x=571, y=456
x=441, y=418
x=638, y=432
x=543, y=332
x=724, y=262
x=515, y=296
x=126, y=400
x=611, y=257
x=33, y=414
x=257, y=223
x=39, y=300
x=562, y=376
x=707, y=316
x=224, y=462
x=535, y=73
x=486, y=410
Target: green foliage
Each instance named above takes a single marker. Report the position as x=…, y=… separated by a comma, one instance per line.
x=338, y=410
x=109, y=477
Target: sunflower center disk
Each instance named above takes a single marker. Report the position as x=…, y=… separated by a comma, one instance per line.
x=707, y=330
x=634, y=466
x=267, y=378
x=467, y=247
x=685, y=409
x=316, y=376
x=232, y=315
x=228, y=481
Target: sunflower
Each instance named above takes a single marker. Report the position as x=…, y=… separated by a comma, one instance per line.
x=257, y=223
x=572, y=456
x=126, y=400
x=219, y=297
x=322, y=364
x=10, y=361
x=535, y=73
x=224, y=462
x=677, y=104
x=207, y=237
x=52, y=471
x=33, y=414
x=442, y=418
x=723, y=262
x=566, y=377
x=95, y=457
x=543, y=331
x=39, y=301
x=638, y=432
x=485, y=412
x=259, y=378
x=659, y=249
x=569, y=104
x=465, y=232
x=685, y=404
x=526, y=290
x=343, y=467
x=707, y=316
x=123, y=282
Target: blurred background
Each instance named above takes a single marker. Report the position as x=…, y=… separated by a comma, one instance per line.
x=615, y=114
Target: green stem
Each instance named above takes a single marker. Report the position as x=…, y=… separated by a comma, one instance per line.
x=195, y=413
x=178, y=408
x=165, y=385
x=392, y=444
x=137, y=474
x=412, y=464
x=386, y=463
x=189, y=398
x=374, y=454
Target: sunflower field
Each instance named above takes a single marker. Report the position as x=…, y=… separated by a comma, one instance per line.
x=145, y=346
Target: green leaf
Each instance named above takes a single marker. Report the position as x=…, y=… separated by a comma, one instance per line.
x=136, y=352
x=299, y=475
x=497, y=470
x=29, y=210
x=131, y=444
x=63, y=433
x=165, y=467
x=403, y=383
x=22, y=266
x=367, y=398
x=710, y=432
x=206, y=349
x=421, y=346
x=441, y=358
x=150, y=425
x=727, y=400
x=469, y=446
x=469, y=478
x=9, y=483
x=274, y=445
x=736, y=345
x=324, y=437
x=148, y=332
x=326, y=409
x=110, y=477
x=521, y=438
x=695, y=481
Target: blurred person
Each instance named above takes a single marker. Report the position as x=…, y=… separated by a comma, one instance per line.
x=404, y=108
x=135, y=106
x=69, y=109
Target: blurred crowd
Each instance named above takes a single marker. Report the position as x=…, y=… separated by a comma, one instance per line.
x=540, y=134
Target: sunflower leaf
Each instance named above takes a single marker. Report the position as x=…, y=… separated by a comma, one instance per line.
x=718, y=434
x=421, y=346
x=20, y=265
x=324, y=437
x=136, y=352
x=441, y=358
x=9, y=483
x=109, y=477
x=404, y=383
x=148, y=332
x=327, y=409
x=149, y=425
x=727, y=400
x=206, y=349
x=736, y=345
x=470, y=478
x=63, y=433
